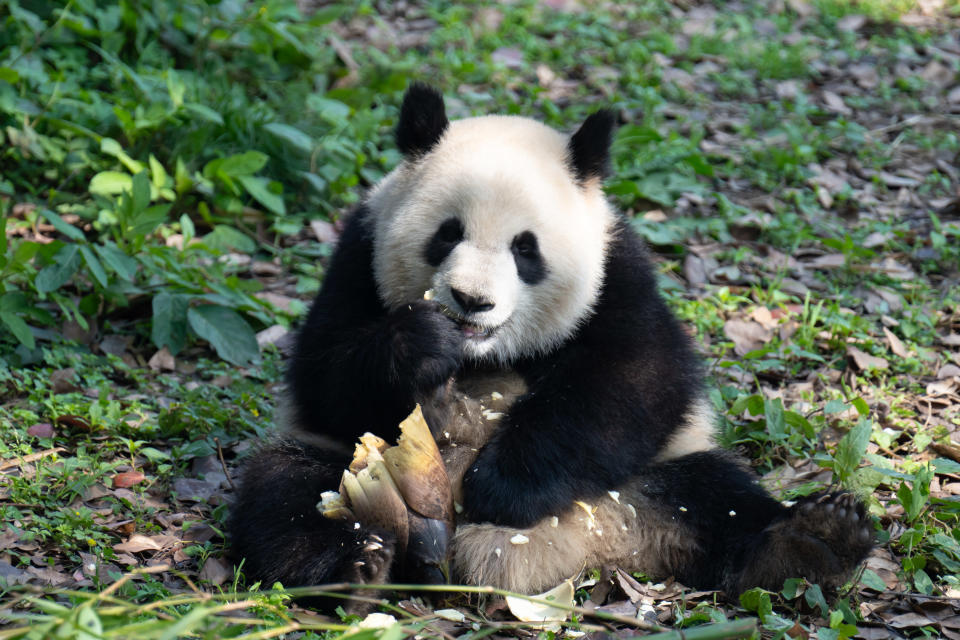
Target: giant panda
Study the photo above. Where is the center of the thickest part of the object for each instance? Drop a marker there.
(598, 448)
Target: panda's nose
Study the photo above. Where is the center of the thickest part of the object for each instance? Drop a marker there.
(471, 304)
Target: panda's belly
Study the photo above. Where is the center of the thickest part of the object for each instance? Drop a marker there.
(467, 413)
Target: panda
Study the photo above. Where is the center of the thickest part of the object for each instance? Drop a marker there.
(567, 399)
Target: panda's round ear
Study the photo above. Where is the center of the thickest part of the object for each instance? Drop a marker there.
(589, 147)
(423, 119)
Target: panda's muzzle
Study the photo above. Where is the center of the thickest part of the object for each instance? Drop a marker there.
(470, 330)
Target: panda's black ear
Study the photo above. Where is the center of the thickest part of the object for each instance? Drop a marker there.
(589, 147)
(423, 119)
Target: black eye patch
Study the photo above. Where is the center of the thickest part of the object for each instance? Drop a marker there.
(448, 235)
(526, 253)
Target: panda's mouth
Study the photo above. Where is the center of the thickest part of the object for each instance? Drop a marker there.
(472, 331)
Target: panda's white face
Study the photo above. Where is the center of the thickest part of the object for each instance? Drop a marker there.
(492, 221)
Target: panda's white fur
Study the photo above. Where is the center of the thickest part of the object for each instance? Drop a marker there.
(501, 175)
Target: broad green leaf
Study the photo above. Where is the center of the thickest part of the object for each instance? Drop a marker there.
(872, 580)
(158, 174)
(122, 264)
(57, 274)
(814, 597)
(175, 87)
(18, 328)
(226, 331)
(140, 191)
(225, 238)
(851, 448)
(147, 220)
(243, 164)
(94, 265)
(290, 137)
(169, 327)
(110, 183)
(187, 229)
(113, 148)
(63, 227)
(943, 465)
(776, 426)
(9, 75)
(922, 582)
(258, 188)
(204, 112)
(835, 406)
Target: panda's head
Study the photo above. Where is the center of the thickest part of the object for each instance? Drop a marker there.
(502, 217)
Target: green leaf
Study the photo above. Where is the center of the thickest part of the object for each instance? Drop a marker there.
(791, 588)
(54, 276)
(834, 406)
(243, 164)
(943, 465)
(9, 75)
(158, 174)
(757, 600)
(226, 331)
(109, 183)
(776, 426)
(18, 328)
(851, 448)
(861, 405)
(872, 580)
(258, 188)
(94, 265)
(63, 227)
(814, 597)
(175, 87)
(922, 582)
(122, 264)
(170, 321)
(290, 137)
(204, 112)
(140, 191)
(225, 238)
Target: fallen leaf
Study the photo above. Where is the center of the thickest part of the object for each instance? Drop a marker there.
(61, 380)
(162, 360)
(836, 104)
(324, 231)
(747, 335)
(127, 479)
(137, 544)
(864, 361)
(948, 371)
(216, 571)
(527, 611)
(852, 22)
(41, 430)
(896, 345)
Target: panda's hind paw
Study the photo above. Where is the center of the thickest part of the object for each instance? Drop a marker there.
(821, 538)
(372, 561)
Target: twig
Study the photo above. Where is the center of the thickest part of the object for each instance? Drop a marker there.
(33, 457)
(223, 464)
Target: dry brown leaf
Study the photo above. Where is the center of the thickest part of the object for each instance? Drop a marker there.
(216, 571)
(324, 231)
(137, 544)
(852, 22)
(948, 371)
(747, 335)
(835, 103)
(41, 430)
(896, 345)
(864, 361)
(162, 360)
(127, 479)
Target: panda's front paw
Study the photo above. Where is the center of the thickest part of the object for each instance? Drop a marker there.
(496, 491)
(427, 345)
(371, 561)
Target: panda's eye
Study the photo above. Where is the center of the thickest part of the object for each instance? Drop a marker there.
(447, 236)
(526, 254)
(525, 245)
(450, 231)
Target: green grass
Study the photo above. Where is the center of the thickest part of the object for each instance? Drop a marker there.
(151, 156)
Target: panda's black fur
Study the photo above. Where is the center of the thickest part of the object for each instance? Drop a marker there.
(607, 408)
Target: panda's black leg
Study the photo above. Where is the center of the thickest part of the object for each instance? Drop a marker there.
(746, 537)
(276, 529)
